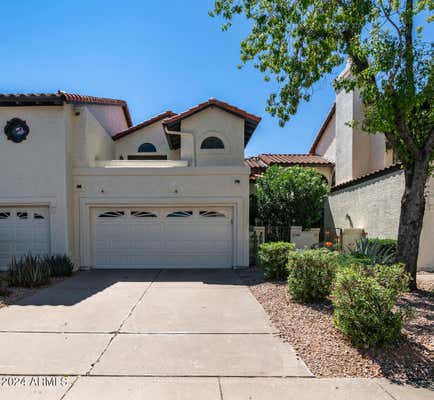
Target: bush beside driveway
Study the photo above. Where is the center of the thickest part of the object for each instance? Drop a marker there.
(310, 330)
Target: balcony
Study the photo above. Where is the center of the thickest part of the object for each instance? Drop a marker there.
(141, 163)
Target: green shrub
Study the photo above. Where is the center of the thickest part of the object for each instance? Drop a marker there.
(60, 265)
(29, 271)
(390, 244)
(273, 258)
(364, 298)
(311, 274)
(370, 251)
(348, 260)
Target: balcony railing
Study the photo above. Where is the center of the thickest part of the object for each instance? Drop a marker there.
(141, 163)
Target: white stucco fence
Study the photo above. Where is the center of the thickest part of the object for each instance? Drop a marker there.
(374, 206)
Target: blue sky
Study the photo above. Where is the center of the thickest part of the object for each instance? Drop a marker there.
(155, 55)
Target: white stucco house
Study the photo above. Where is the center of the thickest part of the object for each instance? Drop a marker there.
(77, 178)
(367, 182)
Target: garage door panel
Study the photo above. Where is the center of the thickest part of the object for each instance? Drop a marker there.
(163, 237)
(23, 230)
(205, 231)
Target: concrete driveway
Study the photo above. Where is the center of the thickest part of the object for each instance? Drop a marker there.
(160, 334)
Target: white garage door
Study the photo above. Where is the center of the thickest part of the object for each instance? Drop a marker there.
(162, 237)
(23, 230)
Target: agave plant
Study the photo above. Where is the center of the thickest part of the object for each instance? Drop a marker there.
(60, 265)
(371, 250)
(29, 271)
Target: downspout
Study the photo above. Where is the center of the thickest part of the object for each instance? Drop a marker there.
(168, 132)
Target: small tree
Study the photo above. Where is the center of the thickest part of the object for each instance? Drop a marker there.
(291, 196)
(300, 42)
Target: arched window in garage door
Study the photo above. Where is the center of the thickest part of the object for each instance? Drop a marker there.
(211, 214)
(180, 214)
(111, 214)
(143, 214)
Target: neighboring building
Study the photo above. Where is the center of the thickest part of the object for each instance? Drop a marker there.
(368, 185)
(78, 178)
(260, 163)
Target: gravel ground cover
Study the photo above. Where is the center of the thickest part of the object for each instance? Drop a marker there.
(310, 330)
(11, 294)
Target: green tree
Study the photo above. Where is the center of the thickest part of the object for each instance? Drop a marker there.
(291, 196)
(299, 42)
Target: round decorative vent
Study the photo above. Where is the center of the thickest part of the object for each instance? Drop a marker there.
(16, 130)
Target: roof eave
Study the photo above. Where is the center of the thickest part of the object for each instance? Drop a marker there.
(143, 124)
(250, 121)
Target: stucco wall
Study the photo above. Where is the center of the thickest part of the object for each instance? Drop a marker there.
(112, 118)
(327, 145)
(128, 145)
(326, 171)
(99, 144)
(215, 122)
(34, 172)
(357, 152)
(228, 186)
(344, 137)
(89, 139)
(374, 206)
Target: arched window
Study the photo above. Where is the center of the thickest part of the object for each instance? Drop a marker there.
(212, 142)
(147, 148)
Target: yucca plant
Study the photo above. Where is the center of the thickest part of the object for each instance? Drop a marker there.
(29, 271)
(371, 250)
(60, 265)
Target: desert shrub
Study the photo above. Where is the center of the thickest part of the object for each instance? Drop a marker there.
(273, 258)
(311, 274)
(390, 244)
(60, 265)
(29, 271)
(371, 251)
(364, 298)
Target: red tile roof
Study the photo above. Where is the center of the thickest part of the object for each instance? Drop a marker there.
(251, 121)
(209, 103)
(143, 124)
(73, 98)
(30, 99)
(284, 159)
(367, 177)
(254, 162)
(322, 129)
(260, 163)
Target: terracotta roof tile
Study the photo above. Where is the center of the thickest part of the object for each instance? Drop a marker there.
(251, 121)
(286, 159)
(74, 98)
(254, 162)
(367, 177)
(143, 124)
(260, 163)
(62, 97)
(213, 102)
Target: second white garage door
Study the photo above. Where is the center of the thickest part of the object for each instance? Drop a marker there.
(182, 237)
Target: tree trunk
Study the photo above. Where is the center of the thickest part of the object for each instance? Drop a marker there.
(411, 218)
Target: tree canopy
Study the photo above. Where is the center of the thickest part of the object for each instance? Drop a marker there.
(298, 42)
(291, 196)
